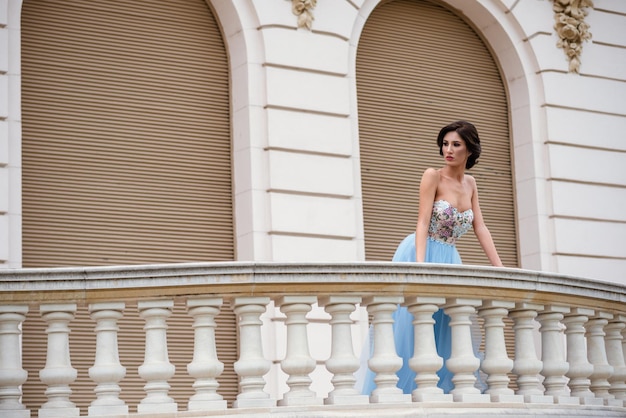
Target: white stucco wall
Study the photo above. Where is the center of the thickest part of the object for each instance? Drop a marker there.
(585, 121)
(4, 133)
(10, 136)
(309, 143)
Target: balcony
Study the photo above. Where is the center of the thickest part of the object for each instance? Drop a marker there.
(552, 345)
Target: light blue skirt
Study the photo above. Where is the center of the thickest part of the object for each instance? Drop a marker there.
(436, 252)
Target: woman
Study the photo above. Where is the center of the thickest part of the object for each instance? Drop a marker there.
(448, 207)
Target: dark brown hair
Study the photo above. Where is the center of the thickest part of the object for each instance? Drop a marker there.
(469, 134)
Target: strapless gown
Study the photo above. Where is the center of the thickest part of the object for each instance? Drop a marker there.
(447, 224)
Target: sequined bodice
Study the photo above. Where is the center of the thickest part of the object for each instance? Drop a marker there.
(447, 224)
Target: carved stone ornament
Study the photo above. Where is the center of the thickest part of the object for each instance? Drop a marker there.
(304, 10)
(570, 26)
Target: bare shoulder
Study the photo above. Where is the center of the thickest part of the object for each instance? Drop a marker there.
(471, 186)
(430, 181)
(431, 174)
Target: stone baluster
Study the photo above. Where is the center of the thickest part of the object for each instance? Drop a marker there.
(596, 352)
(205, 366)
(58, 374)
(497, 363)
(579, 367)
(298, 363)
(107, 370)
(156, 369)
(553, 354)
(425, 361)
(526, 364)
(615, 357)
(12, 375)
(385, 362)
(462, 362)
(251, 365)
(623, 319)
(342, 362)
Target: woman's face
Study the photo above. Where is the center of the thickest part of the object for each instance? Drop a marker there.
(454, 150)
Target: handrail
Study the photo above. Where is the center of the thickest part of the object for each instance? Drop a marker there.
(266, 278)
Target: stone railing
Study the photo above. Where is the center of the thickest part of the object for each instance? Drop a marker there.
(578, 370)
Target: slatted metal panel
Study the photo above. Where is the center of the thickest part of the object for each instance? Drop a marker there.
(126, 160)
(126, 134)
(420, 67)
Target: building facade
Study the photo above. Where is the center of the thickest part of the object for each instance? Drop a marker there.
(296, 131)
(293, 125)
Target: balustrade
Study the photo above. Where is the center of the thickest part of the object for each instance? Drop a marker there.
(497, 364)
(12, 375)
(384, 362)
(107, 370)
(343, 364)
(205, 366)
(58, 374)
(426, 361)
(615, 356)
(596, 347)
(565, 352)
(554, 365)
(527, 365)
(462, 362)
(579, 366)
(252, 364)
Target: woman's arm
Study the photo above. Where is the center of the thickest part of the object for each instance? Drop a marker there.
(427, 192)
(481, 231)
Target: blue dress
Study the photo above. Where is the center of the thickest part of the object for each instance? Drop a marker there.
(447, 224)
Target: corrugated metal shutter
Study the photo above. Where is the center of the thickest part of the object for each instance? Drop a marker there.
(420, 67)
(126, 136)
(126, 160)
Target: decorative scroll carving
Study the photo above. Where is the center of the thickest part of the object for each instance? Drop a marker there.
(304, 10)
(570, 26)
